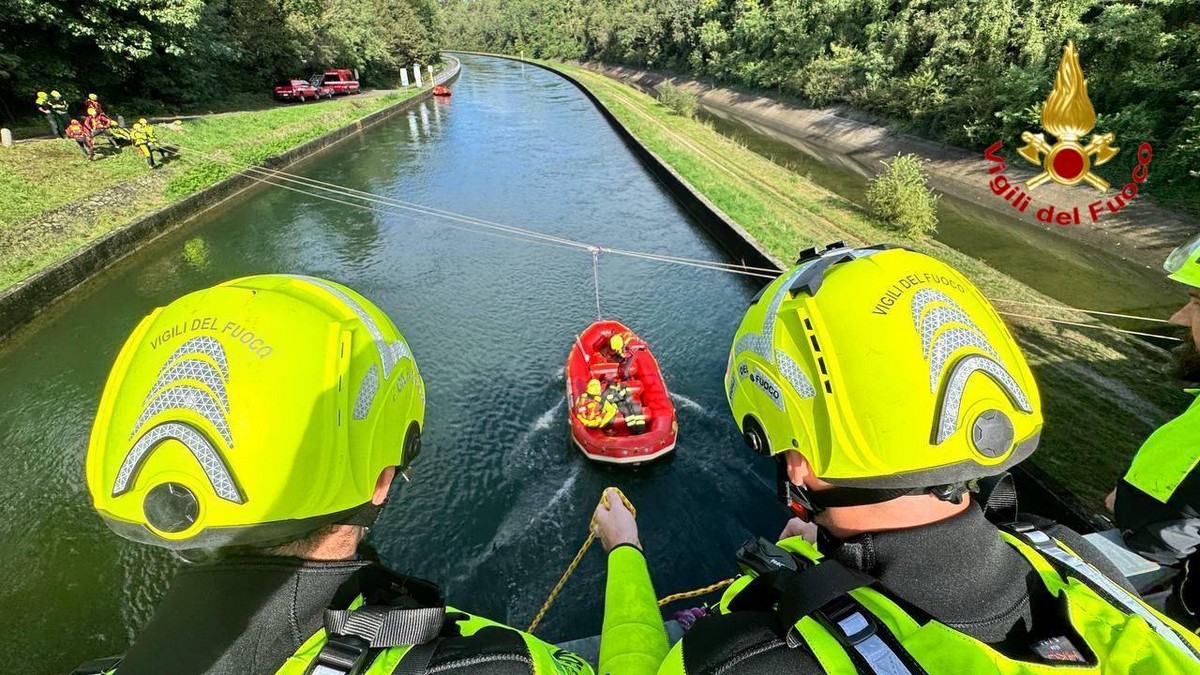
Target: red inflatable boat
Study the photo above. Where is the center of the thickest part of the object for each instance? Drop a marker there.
(591, 357)
(441, 91)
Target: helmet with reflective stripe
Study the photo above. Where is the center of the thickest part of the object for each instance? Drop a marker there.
(886, 369)
(1183, 265)
(254, 412)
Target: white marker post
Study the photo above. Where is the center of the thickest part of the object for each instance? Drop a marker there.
(431, 78)
(404, 78)
(417, 74)
(6, 138)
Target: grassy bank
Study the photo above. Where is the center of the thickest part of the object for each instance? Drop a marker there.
(55, 201)
(1103, 392)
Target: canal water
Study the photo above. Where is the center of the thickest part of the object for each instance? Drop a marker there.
(500, 500)
(1070, 271)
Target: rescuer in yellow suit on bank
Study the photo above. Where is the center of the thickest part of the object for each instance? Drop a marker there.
(885, 386)
(256, 429)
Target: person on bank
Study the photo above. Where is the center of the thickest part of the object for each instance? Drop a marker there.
(593, 408)
(93, 102)
(146, 141)
(77, 132)
(98, 124)
(884, 384)
(61, 111)
(43, 105)
(1157, 503)
(263, 456)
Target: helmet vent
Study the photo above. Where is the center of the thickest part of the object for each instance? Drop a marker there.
(816, 344)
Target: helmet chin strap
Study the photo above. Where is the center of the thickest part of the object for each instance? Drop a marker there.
(806, 503)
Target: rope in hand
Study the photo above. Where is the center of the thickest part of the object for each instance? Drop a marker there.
(588, 544)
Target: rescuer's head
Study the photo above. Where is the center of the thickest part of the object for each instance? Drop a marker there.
(1183, 265)
(254, 413)
(878, 373)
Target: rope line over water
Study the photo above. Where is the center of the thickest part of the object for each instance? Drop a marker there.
(340, 194)
(587, 544)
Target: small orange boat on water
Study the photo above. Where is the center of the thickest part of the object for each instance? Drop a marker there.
(441, 91)
(591, 358)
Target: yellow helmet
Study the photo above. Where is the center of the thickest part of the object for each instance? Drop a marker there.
(55, 94)
(143, 122)
(91, 112)
(617, 342)
(92, 97)
(42, 96)
(254, 412)
(593, 387)
(887, 369)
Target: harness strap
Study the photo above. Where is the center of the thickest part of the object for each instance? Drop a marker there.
(382, 627)
(416, 661)
(1071, 566)
(822, 591)
(860, 632)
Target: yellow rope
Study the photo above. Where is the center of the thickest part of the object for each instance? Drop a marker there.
(583, 550)
(696, 593)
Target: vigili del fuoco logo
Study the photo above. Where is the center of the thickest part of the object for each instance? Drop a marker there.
(1068, 116)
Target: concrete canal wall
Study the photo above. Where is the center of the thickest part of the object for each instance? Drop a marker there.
(21, 303)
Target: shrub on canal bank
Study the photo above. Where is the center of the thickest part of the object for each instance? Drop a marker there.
(681, 101)
(900, 197)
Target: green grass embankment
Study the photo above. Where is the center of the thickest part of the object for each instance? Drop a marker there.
(55, 201)
(1103, 392)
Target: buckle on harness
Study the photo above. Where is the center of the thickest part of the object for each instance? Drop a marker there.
(853, 623)
(341, 655)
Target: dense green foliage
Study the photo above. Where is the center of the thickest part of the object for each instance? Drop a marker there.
(183, 52)
(901, 199)
(680, 101)
(962, 71)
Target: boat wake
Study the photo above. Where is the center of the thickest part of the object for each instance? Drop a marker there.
(688, 403)
(543, 421)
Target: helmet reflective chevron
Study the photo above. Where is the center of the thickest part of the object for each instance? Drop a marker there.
(886, 369)
(254, 412)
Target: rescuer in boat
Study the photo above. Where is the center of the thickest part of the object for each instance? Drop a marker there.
(1157, 504)
(263, 459)
(879, 419)
(619, 396)
(593, 408)
(619, 352)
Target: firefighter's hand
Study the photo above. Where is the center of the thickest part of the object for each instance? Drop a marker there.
(1110, 502)
(799, 528)
(615, 525)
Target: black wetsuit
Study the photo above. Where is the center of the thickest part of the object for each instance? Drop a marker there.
(958, 571)
(246, 616)
(1169, 534)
